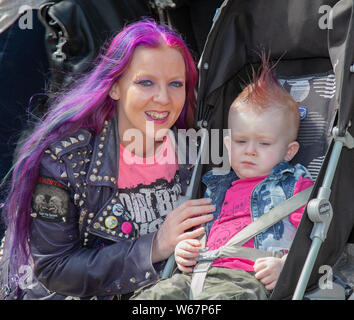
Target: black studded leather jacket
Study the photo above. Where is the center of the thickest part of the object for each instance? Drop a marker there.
(67, 260)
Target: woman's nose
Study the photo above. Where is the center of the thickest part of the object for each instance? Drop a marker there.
(162, 95)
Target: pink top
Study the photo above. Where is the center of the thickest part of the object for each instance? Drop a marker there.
(149, 188)
(235, 214)
(135, 170)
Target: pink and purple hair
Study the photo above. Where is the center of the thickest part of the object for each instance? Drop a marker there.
(86, 105)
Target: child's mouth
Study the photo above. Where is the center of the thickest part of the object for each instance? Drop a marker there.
(248, 163)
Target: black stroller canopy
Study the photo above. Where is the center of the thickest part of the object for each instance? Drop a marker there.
(309, 37)
(290, 30)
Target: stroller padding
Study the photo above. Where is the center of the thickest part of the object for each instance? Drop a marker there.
(315, 96)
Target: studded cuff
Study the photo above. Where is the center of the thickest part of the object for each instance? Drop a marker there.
(138, 269)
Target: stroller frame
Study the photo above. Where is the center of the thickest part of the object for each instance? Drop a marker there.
(320, 211)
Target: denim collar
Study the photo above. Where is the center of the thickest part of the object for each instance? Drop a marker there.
(214, 178)
(280, 170)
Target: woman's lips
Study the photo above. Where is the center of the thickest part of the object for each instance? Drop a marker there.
(157, 116)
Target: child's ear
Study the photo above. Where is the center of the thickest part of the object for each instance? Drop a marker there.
(227, 142)
(114, 92)
(292, 150)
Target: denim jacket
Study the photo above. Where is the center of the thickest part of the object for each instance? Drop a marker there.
(278, 186)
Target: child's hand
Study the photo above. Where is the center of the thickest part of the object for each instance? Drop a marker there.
(185, 252)
(268, 270)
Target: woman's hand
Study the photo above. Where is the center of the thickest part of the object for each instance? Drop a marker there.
(185, 252)
(188, 215)
(268, 270)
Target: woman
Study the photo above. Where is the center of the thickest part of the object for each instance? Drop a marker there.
(93, 206)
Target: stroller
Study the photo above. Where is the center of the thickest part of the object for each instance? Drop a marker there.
(313, 43)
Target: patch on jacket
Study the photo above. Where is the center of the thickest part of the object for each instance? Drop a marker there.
(50, 200)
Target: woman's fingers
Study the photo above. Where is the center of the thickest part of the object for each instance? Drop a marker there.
(182, 214)
(196, 202)
(196, 221)
(188, 215)
(193, 234)
(182, 217)
(195, 207)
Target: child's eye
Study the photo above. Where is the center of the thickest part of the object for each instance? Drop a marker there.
(145, 83)
(240, 141)
(177, 84)
(265, 143)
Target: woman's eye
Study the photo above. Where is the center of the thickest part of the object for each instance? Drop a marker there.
(240, 141)
(176, 84)
(145, 83)
(265, 143)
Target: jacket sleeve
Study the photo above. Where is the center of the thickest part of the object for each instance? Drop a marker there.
(64, 266)
(302, 184)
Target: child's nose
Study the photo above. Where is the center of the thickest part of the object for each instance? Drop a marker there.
(250, 149)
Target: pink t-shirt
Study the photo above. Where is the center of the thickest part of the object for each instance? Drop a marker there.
(149, 188)
(235, 214)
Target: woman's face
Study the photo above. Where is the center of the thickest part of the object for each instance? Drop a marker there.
(151, 93)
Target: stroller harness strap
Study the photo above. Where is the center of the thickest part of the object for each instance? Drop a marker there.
(233, 251)
(233, 248)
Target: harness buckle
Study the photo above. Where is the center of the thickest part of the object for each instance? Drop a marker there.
(206, 255)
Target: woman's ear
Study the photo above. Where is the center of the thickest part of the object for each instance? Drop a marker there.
(292, 150)
(114, 92)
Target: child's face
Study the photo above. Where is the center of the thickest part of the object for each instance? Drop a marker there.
(258, 142)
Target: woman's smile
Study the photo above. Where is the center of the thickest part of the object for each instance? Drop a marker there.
(157, 116)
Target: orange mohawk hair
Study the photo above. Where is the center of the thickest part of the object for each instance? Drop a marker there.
(265, 92)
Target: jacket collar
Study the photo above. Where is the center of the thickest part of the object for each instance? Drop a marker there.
(103, 169)
(213, 178)
(280, 170)
(104, 165)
